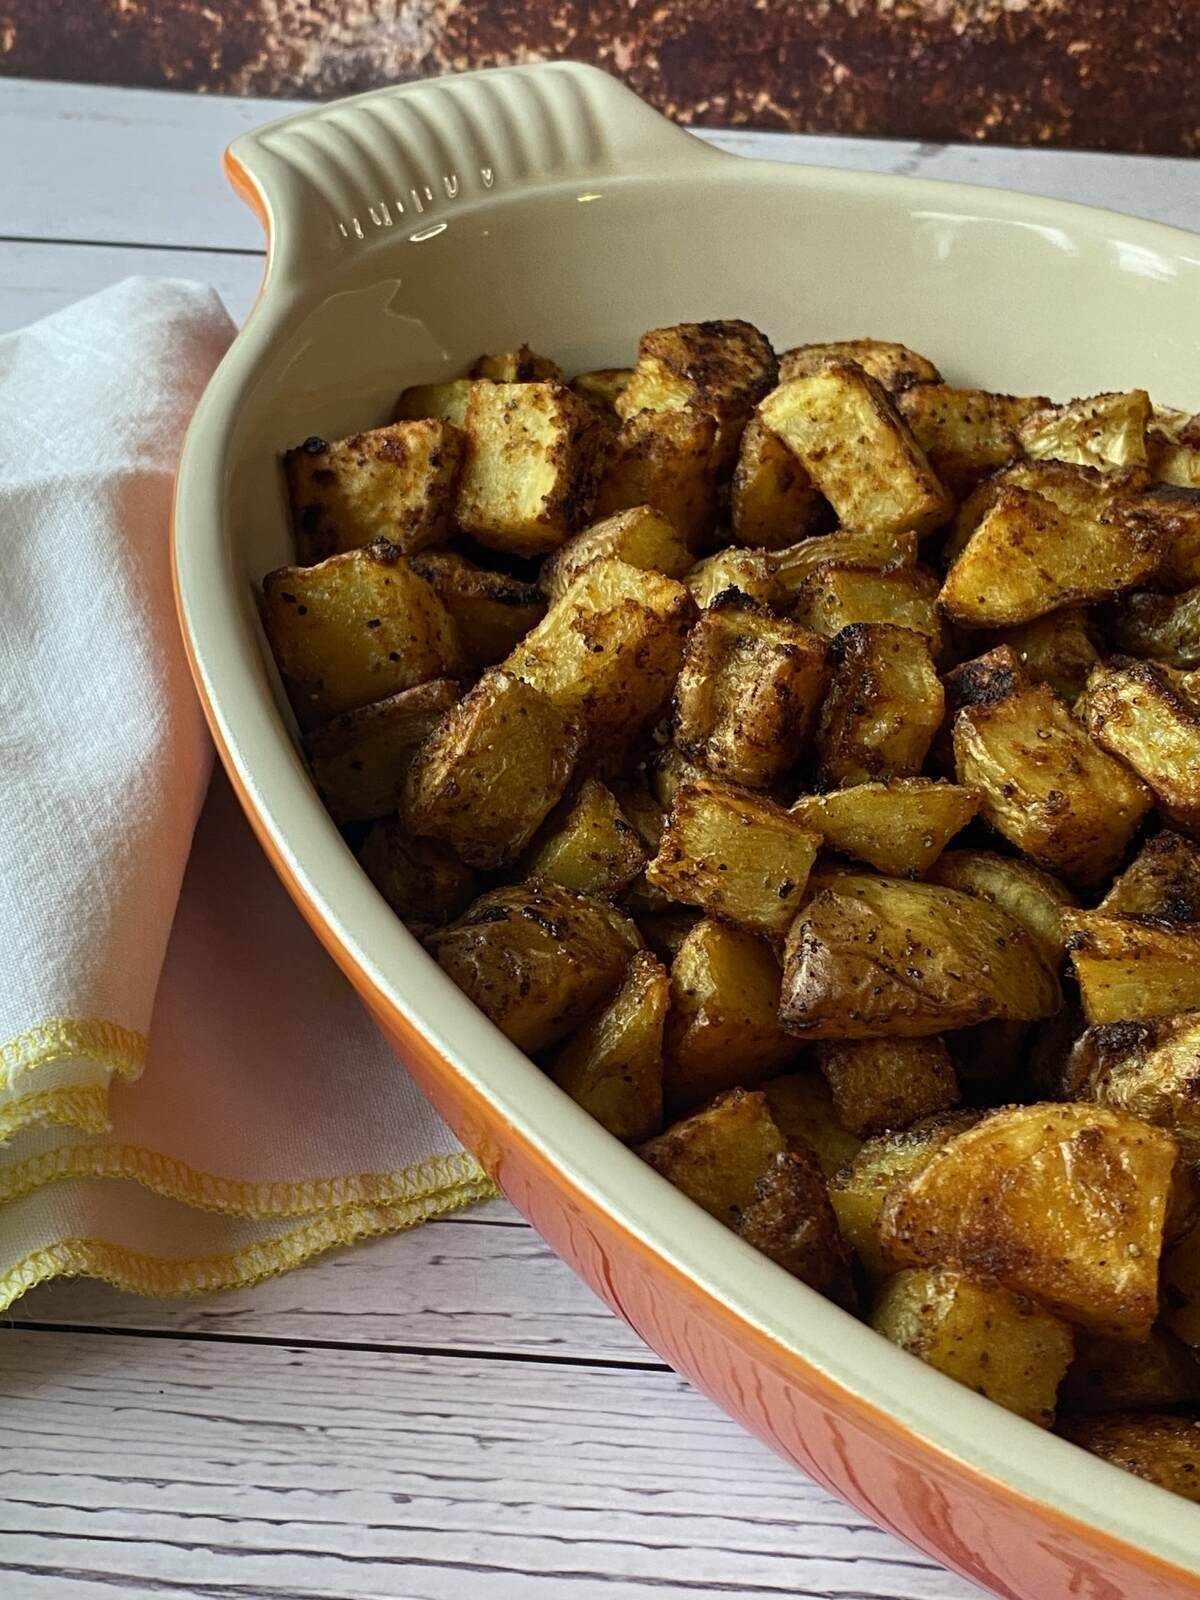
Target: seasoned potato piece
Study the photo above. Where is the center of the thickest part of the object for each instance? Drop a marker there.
(895, 366)
(1150, 1069)
(613, 1066)
(1057, 649)
(1045, 785)
(966, 433)
(1093, 505)
(733, 572)
(1162, 1449)
(794, 564)
(1159, 627)
(883, 708)
(1139, 712)
(521, 365)
(1029, 896)
(722, 1029)
(357, 628)
(396, 483)
(716, 1156)
(1063, 1203)
(900, 827)
(748, 693)
(589, 845)
(360, 760)
(491, 771)
(530, 470)
(1104, 430)
(858, 450)
(887, 1083)
(423, 881)
(1181, 1287)
(664, 459)
(722, 368)
(444, 401)
(1134, 968)
(773, 500)
(802, 1105)
(734, 854)
(536, 959)
(492, 611)
(641, 537)
(1175, 511)
(1112, 1375)
(790, 1220)
(608, 651)
(836, 596)
(603, 386)
(980, 1334)
(874, 958)
(1162, 881)
(857, 1192)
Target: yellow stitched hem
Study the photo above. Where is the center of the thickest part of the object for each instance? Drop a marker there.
(85, 1109)
(60, 1038)
(143, 1274)
(233, 1197)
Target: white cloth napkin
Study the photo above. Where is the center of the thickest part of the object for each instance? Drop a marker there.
(191, 1096)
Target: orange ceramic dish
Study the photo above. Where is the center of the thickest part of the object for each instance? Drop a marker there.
(410, 229)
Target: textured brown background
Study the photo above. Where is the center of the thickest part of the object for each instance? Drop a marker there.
(1104, 74)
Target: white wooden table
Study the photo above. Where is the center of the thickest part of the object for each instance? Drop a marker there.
(444, 1412)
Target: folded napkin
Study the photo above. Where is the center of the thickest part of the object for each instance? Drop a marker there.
(191, 1096)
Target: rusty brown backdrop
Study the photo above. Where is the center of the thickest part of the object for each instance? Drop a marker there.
(1100, 74)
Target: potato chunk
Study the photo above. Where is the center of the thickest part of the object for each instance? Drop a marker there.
(748, 693)
(773, 500)
(1159, 627)
(641, 537)
(1104, 430)
(883, 708)
(423, 881)
(858, 450)
(965, 433)
(613, 1066)
(980, 1334)
(1057, 649)
(1029, 896)
(491, 771)
(1138, 711)
(536, 959)
(1161, 1449)
(521, 365)
(735, 855)
(360, 760)
(531, 465)
(887, 1083)
(716, 1156)
(878, 958)
(1111, 1375)
(602, 387)
(1163, 881)
(731, 574)
(1175, 511)
(899, 827)
(664, 459)
(355, 629)
(836, 596)
(895, 366)
(1064, 1203)
(1134, 968)
(446, 402)
(1150, 1069)
(796, 562)
(722, 1030)
(589, 846)
(396, 483)
(1045, 785)
(491, 610)
(790, 1220)
(802, 1105)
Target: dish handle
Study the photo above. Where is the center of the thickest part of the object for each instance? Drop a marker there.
(401, 160)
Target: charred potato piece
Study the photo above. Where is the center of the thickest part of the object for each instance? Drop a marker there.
(1163, 881)
(979, 1333)
(1029, 896)
(1181, 1287)
(899, 827)
(965, 433)
(1103, 430)
(733, 574)
(491, 610)
(536, 959)
(360, 760)
(717, 1156)
(858, 450)
(748, 693)
(664, 459)
(1150, 1069)
(1138, 711)
(1111, 1375)
(603, 386)
(521, 365)
(879, 1084)
(722, 1029)
(613, 1066)
(641, 537)
(491, 771)
(1159, 627)
(1161, 1449)
(773, 500)
(530, 470)
(1132, 968)
(355, 629)
(1065, 1203)
(894, 366)
(875, 958)
(796, 562)
(423, 881)
(1057, 649)
(836, 596)
(589, 846)
(802, 1105)
(446, 402)
(791, 1221)
(884, 705)
(735, 855)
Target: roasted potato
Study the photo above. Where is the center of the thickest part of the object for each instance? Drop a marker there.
(1175, 513)
(717, 1155)
(613, 1067)
(965, 433)
(536, 959)
(900, 827)
(858, 450)
(1113, 1375)
(773, 500)
(1140, 712)
(733, 573)
(1064, 1203)
(895, 366)
(1134, 968)
(1029, 896)
(670, 770)
(1181, 1287)
(1104, 431)
(795, 563)
(748, 693)
(790, 1220)
(1150, 1069)
(588, 845)
(664, 459)
(884, 705)
(641, 537)
(1058, 649)
(1162, 1449)
(1162, 881)
(874, 958)
(360, 760)
(521, 365)
(423, 881)
(836, 595)
(603, 386)
(1002, 1345)
(879, 1084)
(1158, 627)
(446, 402)
(356, 628)
(802, 1105)
(492, 611)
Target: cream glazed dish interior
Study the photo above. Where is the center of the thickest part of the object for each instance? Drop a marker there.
(412, 229)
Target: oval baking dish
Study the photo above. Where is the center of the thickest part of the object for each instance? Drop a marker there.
(408, 230)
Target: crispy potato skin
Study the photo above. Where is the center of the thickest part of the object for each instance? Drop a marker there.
(1162, 1449)
(802, 1105)
(1174, 511)
(1064, 1203)
(732, 575)
(613, 1066)
(773, 500)
(790, 1220)
(873, 958)
(1149, 1069)
(641, 537)
(1134, 968)
(1030, 896)
(666, 460)
(1058, 649)
(837, 595)
(884, 705)
(899, 827)
(1162, 881)
(894, 366)
(588, 846)
(1139, 712)
(492, 611)
(422, 880)
(965, 433)
(717, 1155)
(1102, 431)
(1111, 1375)
(879, 1084)
(360, 760)
(795, 563)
